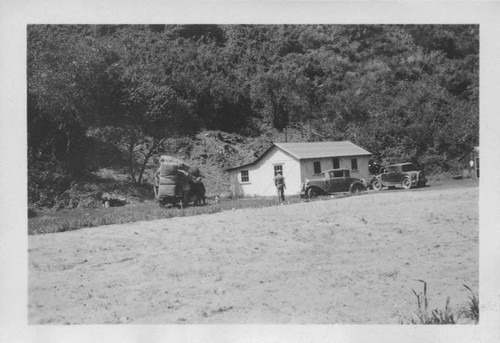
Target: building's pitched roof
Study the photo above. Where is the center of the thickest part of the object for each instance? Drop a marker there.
(322, 149)
(307, 150)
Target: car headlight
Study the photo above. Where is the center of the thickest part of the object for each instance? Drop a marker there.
(363, 181)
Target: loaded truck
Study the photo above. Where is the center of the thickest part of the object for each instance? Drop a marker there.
(172, 182)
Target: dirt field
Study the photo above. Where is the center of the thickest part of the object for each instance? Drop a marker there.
(337, 261)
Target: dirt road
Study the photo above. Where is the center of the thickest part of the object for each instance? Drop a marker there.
(338, 261)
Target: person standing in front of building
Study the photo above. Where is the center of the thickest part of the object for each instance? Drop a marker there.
(279, 182)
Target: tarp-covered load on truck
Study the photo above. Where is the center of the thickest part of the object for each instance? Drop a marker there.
(174, 181)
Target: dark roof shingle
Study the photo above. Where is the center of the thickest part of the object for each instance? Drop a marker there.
(307, 150)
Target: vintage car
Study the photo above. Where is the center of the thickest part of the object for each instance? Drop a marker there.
(401, 174)
(330, 182)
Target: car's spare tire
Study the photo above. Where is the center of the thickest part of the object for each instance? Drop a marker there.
(377, 185)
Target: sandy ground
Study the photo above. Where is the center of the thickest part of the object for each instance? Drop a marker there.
(336, 261)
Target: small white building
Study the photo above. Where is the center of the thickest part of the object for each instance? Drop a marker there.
(296, 162)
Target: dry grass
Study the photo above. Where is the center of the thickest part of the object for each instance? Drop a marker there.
(436, 316)
(471, 310)
(149, 210)
(444, 316)
(79, 218)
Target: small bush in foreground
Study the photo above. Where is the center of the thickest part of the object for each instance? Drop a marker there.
(443, 316)
(435, 316)
(471, 310)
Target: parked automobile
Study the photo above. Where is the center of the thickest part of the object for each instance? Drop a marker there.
(330, 182)
(406, 175)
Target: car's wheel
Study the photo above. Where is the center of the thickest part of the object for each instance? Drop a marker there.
(406, 183)
(377, 185)
(312, 193)
(356, 189)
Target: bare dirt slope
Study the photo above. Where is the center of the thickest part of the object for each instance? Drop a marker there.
(349, 260)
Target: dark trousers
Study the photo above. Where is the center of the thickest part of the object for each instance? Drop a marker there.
(281, 193)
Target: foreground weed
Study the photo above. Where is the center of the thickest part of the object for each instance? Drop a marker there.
(471, 310)
(435, 316)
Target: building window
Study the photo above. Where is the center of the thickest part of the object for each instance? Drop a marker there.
(336, 163)
(354, 164)
(244, 176)
(317, 167)
(278, 168)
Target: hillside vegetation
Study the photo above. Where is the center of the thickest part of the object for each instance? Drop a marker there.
(104, 101)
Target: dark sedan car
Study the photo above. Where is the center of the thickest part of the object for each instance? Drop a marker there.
(332, 181)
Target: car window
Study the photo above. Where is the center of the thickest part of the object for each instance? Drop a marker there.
(337, 173)
(393, 169)
(408, 167)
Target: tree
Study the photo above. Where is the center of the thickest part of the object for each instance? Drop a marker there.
(70, 84)
(153, 109)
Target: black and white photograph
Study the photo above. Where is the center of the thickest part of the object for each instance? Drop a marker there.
(222, 176)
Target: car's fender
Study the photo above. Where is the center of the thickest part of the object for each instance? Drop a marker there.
(317, 191)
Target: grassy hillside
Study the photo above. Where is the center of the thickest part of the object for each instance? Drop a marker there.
(211, 151)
